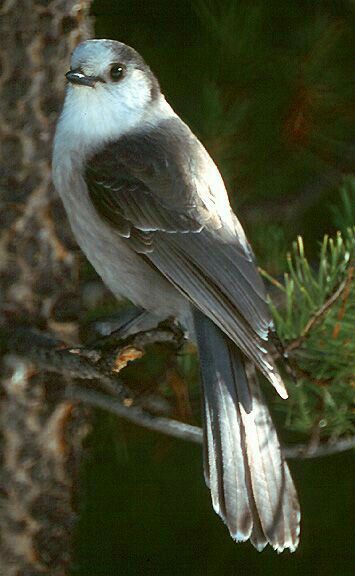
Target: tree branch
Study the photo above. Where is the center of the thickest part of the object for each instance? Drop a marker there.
(137, 415)
(98, 365)
(102, 364)
(183, 431)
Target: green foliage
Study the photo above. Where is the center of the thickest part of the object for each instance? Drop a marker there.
(316, 324)
(306, 290)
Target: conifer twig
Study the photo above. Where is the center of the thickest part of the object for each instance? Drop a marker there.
(320, 312)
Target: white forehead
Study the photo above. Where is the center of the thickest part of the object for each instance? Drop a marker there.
(97, 55)
(92, 50)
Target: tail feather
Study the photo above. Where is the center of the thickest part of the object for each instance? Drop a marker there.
(224, 470)
(274, 492)
(251, 486)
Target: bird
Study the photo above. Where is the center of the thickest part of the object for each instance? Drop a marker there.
(149, 209)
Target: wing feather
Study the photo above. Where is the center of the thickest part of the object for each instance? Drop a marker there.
(162, 193)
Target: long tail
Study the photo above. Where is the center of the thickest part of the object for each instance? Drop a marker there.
(251, 486)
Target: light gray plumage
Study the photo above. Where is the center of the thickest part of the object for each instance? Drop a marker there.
(150, 210)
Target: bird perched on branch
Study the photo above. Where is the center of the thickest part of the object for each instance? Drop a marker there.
(149, 209)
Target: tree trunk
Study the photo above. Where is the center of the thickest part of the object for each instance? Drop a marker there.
(41, 432)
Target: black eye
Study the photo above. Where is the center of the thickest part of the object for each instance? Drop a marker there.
(116, 72)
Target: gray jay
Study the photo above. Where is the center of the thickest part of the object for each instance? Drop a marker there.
(149, 209)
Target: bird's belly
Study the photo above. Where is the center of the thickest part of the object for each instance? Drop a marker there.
(123, 271)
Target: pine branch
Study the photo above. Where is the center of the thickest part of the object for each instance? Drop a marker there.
(315, 323)
(343, 289)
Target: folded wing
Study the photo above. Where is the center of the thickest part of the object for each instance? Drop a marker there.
(162, 193)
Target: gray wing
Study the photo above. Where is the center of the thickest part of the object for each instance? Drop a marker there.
(154, 188)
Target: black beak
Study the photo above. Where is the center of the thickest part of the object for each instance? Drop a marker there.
(77, 77)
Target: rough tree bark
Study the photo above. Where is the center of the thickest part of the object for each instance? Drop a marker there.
(41, 432)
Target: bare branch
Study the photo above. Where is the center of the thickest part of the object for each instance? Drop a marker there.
(137, 415)
(302, 451)
(183, 431)
(84, 363)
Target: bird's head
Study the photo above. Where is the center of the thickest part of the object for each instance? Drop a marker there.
(111, 90)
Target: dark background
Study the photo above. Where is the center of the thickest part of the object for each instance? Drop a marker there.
(267, 86)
